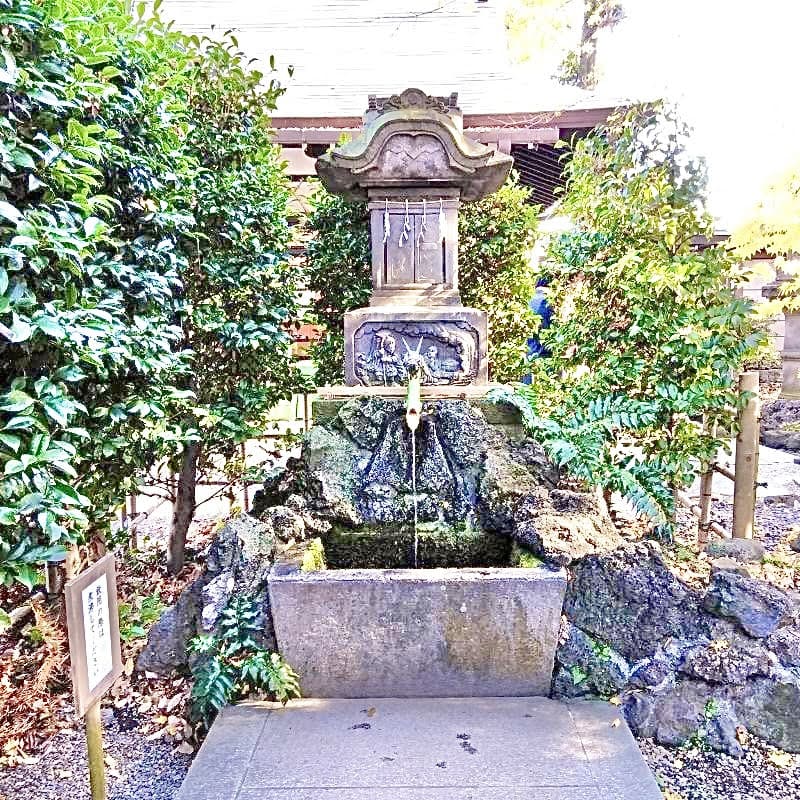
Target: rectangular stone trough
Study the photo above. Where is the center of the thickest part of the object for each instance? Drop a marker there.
(466, 632)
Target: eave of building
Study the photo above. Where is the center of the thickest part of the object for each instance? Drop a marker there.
(503, 129)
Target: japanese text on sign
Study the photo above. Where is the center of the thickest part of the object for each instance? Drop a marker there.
(99, 654)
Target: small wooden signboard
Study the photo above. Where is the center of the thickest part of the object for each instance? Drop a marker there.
(93, 624)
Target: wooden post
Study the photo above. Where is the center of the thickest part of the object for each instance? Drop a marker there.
(746, 472)
(94, 746)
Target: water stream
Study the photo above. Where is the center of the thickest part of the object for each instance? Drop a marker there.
(414, 493)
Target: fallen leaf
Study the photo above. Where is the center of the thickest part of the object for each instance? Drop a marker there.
(174, 703)
(372, 711)
(615, 723)
(129, 667)
(780, 759)
(615, 701)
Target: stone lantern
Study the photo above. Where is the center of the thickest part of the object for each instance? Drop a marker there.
(414, 166)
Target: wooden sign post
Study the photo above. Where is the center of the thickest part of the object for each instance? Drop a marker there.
(93, 624)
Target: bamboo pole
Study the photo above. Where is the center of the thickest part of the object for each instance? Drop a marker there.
(724, 471)
(713, 527)
(704, 520)
(746, 469)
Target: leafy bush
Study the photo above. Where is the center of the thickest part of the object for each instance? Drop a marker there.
(496, 274)
(586, 443)
(338, 259)
(495, 237)
(231, 664)
(131, 206)
(87, 270)
(646, 324)
(135, 618)
(144, 294)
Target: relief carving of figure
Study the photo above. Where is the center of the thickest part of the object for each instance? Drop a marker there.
(383, 366)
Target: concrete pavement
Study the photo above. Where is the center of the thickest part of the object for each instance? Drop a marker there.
(506, 748)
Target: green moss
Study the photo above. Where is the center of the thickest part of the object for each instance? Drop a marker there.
(313, 557)
(522, 557)
(392, 547)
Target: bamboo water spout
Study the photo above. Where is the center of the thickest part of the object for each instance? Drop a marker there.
(413, 415)
(413, 400)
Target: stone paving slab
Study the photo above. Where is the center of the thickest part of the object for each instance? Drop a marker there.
(501, 748)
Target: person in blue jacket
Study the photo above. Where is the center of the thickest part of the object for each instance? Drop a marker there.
(541, 307)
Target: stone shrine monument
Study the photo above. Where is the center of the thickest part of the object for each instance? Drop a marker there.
(414, 165)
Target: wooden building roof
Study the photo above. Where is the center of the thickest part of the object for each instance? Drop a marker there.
(343, 50)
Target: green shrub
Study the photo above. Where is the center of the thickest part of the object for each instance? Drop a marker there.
(495, 237)
(136, 617)
(647, 334)
(144, 292)
(230, 664)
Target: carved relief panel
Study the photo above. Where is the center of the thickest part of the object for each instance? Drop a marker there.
(413, 156)
(444, 351)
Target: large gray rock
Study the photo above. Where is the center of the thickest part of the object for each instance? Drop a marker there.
(631, 600)
(587, 666)
(237, 564)
(776, 417)
(565, 528)
(731, 658)
(768, 708)
(744, 550)
(357, 464)
(785, 644)
(757, 606)
(687, 710)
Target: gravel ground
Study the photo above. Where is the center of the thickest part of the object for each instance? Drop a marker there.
(700, 774)
(775, 516)
(136, 769)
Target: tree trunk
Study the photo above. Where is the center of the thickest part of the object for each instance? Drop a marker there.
(183, 509)
(587, 54)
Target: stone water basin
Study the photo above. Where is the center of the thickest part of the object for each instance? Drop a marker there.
(433, 632)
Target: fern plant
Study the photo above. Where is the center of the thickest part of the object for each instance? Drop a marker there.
(232, 665)
(589, 444)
